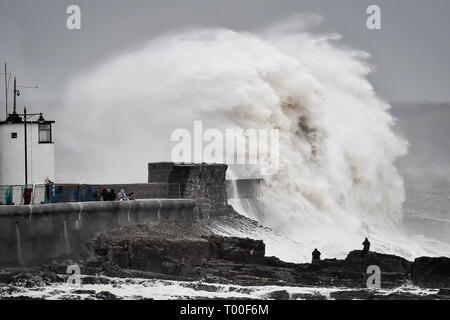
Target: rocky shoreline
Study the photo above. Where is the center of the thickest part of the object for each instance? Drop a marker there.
(202, 261)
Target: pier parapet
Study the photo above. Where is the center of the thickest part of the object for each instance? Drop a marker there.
(35, 234)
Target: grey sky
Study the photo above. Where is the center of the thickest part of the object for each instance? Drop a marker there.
(411, 53)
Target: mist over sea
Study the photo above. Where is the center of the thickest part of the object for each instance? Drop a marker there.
(426, 167)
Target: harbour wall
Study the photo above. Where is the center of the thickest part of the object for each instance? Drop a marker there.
(33, 234)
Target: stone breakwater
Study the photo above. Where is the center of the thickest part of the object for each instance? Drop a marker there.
(187, 252)
(36, 234)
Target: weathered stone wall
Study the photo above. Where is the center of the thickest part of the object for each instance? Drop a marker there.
(197, 181)
(37, 233)
(207, 182)
(203, 182)
(159, 172)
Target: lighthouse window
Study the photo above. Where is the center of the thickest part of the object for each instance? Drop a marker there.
(45, 133)
(13, 135)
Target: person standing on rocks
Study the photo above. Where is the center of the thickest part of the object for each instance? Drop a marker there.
(315, 256)
(366, 246)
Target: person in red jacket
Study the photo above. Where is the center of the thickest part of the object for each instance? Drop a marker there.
(28, 191)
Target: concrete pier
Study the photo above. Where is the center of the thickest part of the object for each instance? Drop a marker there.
(38, 233)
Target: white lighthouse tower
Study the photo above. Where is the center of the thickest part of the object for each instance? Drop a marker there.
(27, 149)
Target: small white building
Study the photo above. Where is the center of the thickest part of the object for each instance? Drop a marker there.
(39, 146)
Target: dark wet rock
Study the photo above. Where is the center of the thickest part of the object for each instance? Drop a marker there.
(198, 286)
(81, 291)
(279, 295)
(28, 279)
(168, 250)
(236, 249)
(376, 295)
(404, 296)
(431, 272)
(96, 280)
(139, 298)
(209, 278)
(194, 254)
(70, 297)
(106, 295)
(143, 247)
(358, 261)
(444, 292)
(328, 272)
(55, 292)
(351, 295)
(24, 297)
(10, 290)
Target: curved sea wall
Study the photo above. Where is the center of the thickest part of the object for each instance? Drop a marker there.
(38, 233)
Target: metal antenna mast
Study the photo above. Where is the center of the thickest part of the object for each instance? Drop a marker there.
(16, 92)
(6, 92)
(7, 79)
